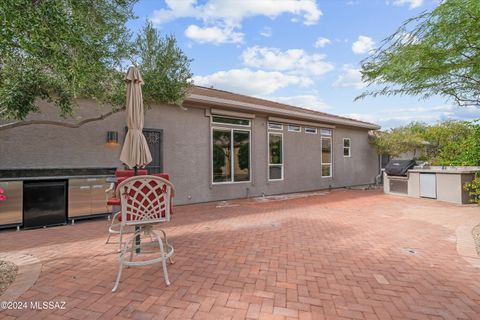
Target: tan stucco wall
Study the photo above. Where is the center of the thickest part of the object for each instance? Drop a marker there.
(186, 152)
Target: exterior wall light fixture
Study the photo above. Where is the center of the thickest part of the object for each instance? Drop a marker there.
(112, 137)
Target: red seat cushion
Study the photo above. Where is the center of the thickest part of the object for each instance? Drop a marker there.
(113, 202)
(130, 173)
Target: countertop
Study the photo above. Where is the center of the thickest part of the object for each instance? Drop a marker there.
(447, 170)
(29, 174)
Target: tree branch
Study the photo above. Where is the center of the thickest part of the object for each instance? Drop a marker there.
(58, 123)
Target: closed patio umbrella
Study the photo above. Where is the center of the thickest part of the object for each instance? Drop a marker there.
(135, 151)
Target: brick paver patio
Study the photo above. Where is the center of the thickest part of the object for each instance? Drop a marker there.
(342, 255)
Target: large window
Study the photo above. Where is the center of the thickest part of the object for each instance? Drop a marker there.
(347, 147)
(231, 155)
(326, 157)
(275, 156)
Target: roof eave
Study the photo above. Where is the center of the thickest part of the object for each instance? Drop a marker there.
(270, 110)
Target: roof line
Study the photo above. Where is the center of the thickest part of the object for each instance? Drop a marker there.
(300, 111)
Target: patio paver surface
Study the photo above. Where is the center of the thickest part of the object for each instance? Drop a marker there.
(348, 254)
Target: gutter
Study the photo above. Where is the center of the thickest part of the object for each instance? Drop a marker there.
(270, 110)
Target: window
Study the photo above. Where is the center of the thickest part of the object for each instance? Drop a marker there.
(275, 126)
(230, 155)
(326, 157)
(231, 121)
(311, 130)
(275, 156)
(346, 147)
(326, 132)
(294, 128)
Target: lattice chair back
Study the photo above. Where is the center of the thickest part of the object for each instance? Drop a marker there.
(145, 199)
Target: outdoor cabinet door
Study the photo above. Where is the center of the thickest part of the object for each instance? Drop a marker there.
(11, 209)
(79, 198)
(98, 196)
(428, 185)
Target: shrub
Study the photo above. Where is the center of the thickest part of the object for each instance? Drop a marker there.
(473, 189)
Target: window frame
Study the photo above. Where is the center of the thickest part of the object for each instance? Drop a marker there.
(232, 175)
(349, 148)
(275, 123)
(282, 165)
(214, 123)
(289, 128)
(331, 157)
(326, 132)
(311, 128)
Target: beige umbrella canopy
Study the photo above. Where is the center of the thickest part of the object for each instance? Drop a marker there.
(135, 152)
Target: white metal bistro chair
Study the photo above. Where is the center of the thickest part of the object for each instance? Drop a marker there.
(145, 202)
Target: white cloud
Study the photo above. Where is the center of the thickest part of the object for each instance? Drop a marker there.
(306, 101)
(293, 61)
(412, 4)
(251, 82)
(232, 12)
(266, 32)
(213, 35)
(363, 45)
(322, 42)
(350, 78)
(389, 118)
(226, 16)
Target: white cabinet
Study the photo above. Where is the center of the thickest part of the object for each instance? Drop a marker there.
(428, 185)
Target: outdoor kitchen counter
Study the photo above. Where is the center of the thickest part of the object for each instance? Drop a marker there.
(433, 182)
(30, 192)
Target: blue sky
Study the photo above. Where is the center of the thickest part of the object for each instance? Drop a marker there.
(301, 52)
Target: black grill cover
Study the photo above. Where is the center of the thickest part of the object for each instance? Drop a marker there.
(399, 167)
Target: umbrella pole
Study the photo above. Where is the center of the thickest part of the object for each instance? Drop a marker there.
(137, 238)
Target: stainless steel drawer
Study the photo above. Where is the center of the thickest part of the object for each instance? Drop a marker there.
(98, 196)
(79, 198)
(11, 210)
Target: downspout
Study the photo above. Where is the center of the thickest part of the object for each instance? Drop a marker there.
(378, 178)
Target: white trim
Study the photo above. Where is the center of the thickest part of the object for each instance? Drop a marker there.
(321, 157)
(232, 165)
(349, 147)
(282, 165)
(290, 128)
(272, 110)
(230, 124)
(299, 122)
(326, 132)
(314, 130)
(220, 112)
(279, 128)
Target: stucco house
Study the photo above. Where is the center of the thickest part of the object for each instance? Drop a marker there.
(219, 145)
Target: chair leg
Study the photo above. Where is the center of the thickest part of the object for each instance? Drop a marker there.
(164, 262)
(134, 243)
(167, 244)
(108, 238)
(109, 234)
(121, 238)
(120, 268)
